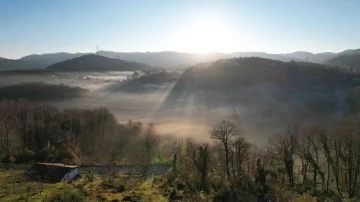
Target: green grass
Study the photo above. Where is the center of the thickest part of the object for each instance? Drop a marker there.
(14, 186)
(109, 191)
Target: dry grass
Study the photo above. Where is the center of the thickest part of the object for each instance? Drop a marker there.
(134, 188)
(15, 187)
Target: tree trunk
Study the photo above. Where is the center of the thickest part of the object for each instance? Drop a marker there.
(7, 144)
(315, 180)
(227, 161)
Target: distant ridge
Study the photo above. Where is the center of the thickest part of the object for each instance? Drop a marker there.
(97, 63)
(8, 64)
(349, 62)
(172, 59)
(51, 58)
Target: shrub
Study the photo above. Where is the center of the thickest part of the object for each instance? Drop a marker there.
(69, 193)
(173, 194)
(120, 188)
(89, 175)
(306, 197)
(108, 181)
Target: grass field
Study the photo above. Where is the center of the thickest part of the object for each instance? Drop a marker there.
(14, 186)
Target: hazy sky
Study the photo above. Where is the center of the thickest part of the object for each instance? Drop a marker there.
(274, 26)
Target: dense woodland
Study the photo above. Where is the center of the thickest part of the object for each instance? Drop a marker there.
(93, 62)
(317, 159)
(146, 82)
(306, 85)
(237, 72)
(348, 62)
(41, 92)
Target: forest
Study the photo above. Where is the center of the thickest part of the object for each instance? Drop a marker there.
(310, 162)
(39, 91)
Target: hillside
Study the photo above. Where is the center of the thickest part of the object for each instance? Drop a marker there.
(41, 92)
(51, 58)
(266, 87)
(146, 83)
(97, 63)
(172, 59)
(8, 64)
(348, 62)
(311, 57)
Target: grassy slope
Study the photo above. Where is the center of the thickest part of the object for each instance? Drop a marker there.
(139, 191)
(14, 187)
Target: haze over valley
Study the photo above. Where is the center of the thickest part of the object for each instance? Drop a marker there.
(261, 94)
(180, 101)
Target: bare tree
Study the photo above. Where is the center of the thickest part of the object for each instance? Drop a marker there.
(350, 133)
(241, 154)
(114, 146)
(309, 149)
(8, 135)
(224, 134)
(286, 144)
(200, 159)
(149, 142)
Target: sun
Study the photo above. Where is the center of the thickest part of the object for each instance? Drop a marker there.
(206, 35)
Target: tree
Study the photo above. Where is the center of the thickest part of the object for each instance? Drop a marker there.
(242, 153)
(350, 133)
(286, 144)
(309, 150)
(201, 162)
(261, 181)
(224, 134)
(114, 147)
(8, 135)
(149, 142)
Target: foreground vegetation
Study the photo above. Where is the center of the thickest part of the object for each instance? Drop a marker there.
(14, 186)
(301, 163)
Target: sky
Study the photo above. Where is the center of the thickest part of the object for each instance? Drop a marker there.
(273, 26)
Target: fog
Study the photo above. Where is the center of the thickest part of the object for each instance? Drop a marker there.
(258, 110)
(89, 80)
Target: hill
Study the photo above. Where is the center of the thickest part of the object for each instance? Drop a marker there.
(172, 59)
(97, 63)
(311, 57)
(40, 92)
(350, 52)
(264, 85)
(8, 64)
(348, 62)
(51, 58)
(176, 59)
(147, 83)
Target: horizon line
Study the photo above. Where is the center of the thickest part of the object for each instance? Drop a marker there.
(171, 51)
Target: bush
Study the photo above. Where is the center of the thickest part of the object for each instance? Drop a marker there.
(89, 175)
(25, 156)
(306, 197)
(173, 194)
(69, 193)
(120, 188)
(108, 181)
